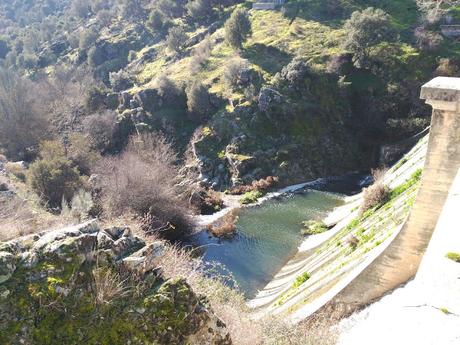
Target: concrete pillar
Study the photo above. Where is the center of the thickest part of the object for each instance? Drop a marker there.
(401, 259)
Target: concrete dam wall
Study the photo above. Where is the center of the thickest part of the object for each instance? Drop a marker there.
(391, 239)
(400, 261)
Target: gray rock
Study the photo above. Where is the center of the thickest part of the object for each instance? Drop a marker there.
(268, 98)
(7, 266)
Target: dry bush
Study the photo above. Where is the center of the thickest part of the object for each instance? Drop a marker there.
(352, 241)
(212, 201)
(53, 177)
(108, 286)
(261, 185)
(205, 201)
(142, 181)
(427, 40)
(376, 194)
(266, 183)
(277, 331)
(447, 68)
(226, 226)
(16, 169)
(239, 190)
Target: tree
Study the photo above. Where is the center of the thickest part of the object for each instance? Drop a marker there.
(176, 39)
(53, 177)
(366, 29)
(87, 39)
(80, 8)
(156, 20)
(433, 10)
(198, 102)
(167, 89)
(120, 80)
(237, 28)
(4, 49)
(131, 9)
(22, 116)
(199, 9)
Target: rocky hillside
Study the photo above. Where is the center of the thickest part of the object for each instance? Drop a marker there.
(297, 98)
(88, 285)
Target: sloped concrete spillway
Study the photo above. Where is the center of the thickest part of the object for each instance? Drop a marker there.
(400, 261)
(389, 241)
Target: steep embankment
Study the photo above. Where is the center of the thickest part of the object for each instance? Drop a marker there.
(326, 263)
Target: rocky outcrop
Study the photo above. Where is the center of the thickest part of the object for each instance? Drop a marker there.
(85, 285)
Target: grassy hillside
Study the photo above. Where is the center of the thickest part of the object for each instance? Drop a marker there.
(304, 94)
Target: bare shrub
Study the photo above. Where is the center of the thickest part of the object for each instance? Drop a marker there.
(447, 68)
(226, 226)
(433, 10)
(142, 181)
(376, 194)
(260, 185)
(108, 286)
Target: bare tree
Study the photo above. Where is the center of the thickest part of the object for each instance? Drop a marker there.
(142, 181)
(435, 9)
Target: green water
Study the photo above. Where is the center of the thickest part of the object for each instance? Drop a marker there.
(268, 236)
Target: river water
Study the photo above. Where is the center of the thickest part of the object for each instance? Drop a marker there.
(268, 235)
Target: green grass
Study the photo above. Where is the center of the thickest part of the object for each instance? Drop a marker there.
(453, 256)
(313, 227)
(301, 279)
(415, 178)
(251, 197)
